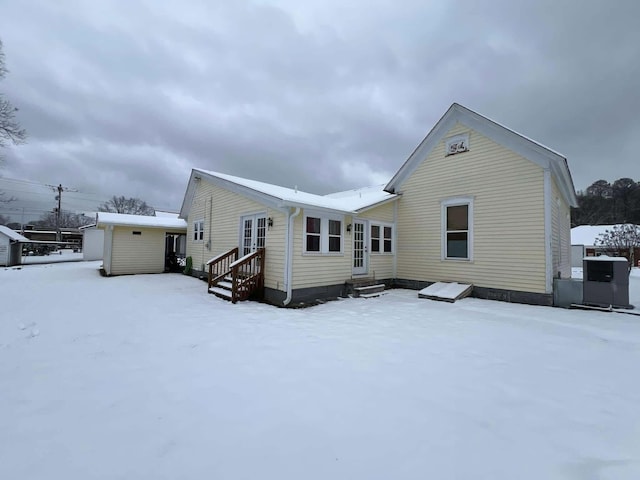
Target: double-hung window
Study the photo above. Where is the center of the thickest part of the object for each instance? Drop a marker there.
(457, 229)
(381, 238)
(198, 231)
(323, 234)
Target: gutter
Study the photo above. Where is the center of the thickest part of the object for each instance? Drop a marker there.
(288, 270)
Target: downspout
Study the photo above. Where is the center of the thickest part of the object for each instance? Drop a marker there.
(395, 240)
(209, 243)
(288, 267)
(548, 251)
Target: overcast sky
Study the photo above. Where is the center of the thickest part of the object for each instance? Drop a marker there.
(125, 97)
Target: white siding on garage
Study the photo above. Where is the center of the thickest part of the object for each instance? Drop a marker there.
(508, 220)
(142, 253)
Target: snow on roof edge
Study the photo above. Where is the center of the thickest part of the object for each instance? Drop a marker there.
(107, 218)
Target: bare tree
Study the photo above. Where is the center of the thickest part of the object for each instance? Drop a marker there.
(3, 220)
(67, 220)
(132, 206)
(10, 130)
(621, 237)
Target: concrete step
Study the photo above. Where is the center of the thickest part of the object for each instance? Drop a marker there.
(368, 290)
(221, 293)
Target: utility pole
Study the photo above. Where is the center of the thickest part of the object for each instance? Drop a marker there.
(58, 210)
(59, 198)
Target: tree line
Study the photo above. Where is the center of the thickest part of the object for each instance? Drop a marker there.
(604, 203)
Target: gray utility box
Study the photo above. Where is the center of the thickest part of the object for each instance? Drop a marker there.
(605, 281)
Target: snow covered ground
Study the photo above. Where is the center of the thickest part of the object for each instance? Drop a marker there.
(149, 377)
(64, 255)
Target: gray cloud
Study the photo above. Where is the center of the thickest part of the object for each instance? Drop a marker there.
(324, 96)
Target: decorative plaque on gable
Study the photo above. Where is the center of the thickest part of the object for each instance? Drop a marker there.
(457, 144)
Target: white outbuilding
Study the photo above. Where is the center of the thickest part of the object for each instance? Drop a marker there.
(10, 246)
(139, 244)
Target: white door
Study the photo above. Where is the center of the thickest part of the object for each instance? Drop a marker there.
(253, 231)
(360, 253)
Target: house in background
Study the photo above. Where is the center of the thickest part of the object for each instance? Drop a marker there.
(138, 243)
(583, 244)
(475, 203)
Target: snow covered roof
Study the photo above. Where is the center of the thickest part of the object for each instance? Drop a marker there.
(121, 219)
(587, 234)
(524, 146)
(12, 234)
(279, 197)
(160, 213)
(605, 258)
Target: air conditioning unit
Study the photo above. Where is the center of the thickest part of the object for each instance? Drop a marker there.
(605, 281)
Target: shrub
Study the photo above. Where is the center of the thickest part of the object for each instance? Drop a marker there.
(188, 266)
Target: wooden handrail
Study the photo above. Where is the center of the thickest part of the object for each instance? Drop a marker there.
(248, 275)
(220, 266)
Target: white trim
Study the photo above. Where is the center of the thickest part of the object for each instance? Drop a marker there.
(395, 240)
(376, 205)
(108, 249)
(254, 230)
(547, 232)
(381, 238)
(288, 262)
(364, 270)
(198, 227)
(324, 232)
(452, 202)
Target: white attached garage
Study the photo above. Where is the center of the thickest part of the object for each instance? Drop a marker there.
(138, 244)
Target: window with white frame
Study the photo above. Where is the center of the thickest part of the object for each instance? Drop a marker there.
(323, 234)
(457, 229)
(381, 236)
(198, 231)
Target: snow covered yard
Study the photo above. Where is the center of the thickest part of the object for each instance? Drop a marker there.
(149, 377)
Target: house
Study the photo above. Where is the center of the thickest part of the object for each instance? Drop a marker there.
(10, 246)
(583, 244)
(475, 203)
(138, 243)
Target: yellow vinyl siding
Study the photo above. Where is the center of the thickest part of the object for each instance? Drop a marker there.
(316, 270)
(311, 270)
(383, 213)
(142, 253)
(221, 211)
(560, 233)
(508, 217)
(380, 264)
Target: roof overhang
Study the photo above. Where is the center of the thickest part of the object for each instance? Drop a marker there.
(198, 175)
(276, 203)
(105, 219)
(525, 147)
